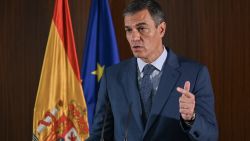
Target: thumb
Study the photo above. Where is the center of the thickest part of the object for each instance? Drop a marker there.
(187, 86)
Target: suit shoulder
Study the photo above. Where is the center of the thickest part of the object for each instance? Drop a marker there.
(190, 66)
(120, 67)
(193, 70)
(184, 62)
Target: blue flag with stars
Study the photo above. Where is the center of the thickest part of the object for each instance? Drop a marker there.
(100, 51)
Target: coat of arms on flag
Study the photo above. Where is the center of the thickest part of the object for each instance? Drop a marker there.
(56, 125)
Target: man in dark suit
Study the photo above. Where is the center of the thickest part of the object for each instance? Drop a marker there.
(142, 99)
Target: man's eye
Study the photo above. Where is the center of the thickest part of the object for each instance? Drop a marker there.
(141, 29)
(128, 30)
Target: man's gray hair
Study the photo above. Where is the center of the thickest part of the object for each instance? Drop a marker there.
(152, 6)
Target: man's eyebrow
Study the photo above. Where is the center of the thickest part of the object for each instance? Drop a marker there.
(140, 24)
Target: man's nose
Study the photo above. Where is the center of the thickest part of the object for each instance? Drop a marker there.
(135, 35)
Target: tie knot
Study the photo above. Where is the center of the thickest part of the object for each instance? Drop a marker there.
(148, 69)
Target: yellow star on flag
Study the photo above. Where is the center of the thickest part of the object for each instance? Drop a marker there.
(98, 71)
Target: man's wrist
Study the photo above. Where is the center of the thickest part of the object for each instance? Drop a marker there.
(191, 121)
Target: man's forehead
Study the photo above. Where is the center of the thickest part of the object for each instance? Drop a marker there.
(140, 17)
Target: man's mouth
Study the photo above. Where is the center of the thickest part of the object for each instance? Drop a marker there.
(137, 47)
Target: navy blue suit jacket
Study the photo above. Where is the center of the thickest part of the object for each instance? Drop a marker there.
(119, 91)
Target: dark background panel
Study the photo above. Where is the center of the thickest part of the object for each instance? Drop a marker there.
(213, 32)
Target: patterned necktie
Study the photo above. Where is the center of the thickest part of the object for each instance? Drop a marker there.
(146, 88)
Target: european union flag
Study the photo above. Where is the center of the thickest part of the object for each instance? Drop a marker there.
(100, 52)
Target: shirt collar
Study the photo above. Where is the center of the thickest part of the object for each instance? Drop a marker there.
(158, 63)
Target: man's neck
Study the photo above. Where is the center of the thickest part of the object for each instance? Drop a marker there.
(154, 56)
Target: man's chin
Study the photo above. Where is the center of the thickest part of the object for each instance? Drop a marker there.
(138, 55)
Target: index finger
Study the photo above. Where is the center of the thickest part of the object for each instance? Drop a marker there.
(184, 92)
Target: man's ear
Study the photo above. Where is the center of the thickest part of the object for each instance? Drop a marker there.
(162, 27)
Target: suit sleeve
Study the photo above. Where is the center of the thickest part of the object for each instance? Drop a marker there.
(103, 115)
(204, 128)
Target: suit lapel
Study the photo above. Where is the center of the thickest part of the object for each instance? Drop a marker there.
(133, 92)
(168, 80)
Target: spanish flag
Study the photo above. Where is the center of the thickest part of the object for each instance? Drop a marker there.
(60, 110)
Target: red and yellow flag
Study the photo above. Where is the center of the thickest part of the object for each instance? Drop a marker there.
(60, 109)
